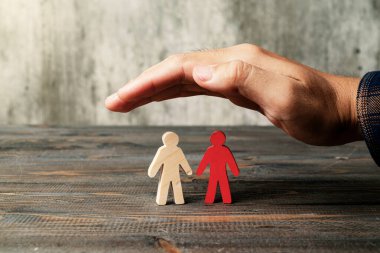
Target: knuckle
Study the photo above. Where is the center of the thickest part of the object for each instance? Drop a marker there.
(251, 49)
(236, 71)
(176, 58)
(239, 72)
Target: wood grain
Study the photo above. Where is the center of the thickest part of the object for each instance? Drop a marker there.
(86, 190)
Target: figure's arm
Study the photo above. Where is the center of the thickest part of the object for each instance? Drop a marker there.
(155, 165)
(185, 165)
(203, 164)
(232, 163)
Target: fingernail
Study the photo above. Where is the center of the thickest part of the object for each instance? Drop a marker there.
(204, 73)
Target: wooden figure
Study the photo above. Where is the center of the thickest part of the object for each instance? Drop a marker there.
(218, 156)
(170, 158)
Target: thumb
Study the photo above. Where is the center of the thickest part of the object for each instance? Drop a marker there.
(222, 78)
(238, 77)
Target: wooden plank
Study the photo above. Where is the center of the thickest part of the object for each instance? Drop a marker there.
(86, 190)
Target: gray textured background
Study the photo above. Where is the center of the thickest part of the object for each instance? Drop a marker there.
(60, 59)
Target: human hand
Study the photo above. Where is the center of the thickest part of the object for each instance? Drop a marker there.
(314, 107)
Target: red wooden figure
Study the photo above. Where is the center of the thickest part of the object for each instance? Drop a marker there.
(218, 156)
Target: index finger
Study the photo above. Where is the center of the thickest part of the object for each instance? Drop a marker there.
(158, 78)
(175, 70)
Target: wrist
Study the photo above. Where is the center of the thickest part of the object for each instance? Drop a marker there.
(354, 82)
(346, 93)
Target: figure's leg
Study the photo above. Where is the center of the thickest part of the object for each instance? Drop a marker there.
(177, 192)
(225, 190)
(211, 190)
(162, 192)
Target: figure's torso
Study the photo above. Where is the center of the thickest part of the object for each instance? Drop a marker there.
(218, 160)
(172, 157)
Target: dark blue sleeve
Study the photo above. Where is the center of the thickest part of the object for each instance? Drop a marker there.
(368, 108)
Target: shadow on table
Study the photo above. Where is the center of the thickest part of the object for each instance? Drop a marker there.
(310, 192)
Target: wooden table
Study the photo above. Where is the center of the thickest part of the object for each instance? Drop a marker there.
(87, 190)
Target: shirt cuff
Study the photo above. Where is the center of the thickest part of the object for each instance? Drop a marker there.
(368, 108)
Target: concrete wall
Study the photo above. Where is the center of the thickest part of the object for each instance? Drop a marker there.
(59, 59)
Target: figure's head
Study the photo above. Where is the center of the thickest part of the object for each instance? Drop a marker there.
(170, 139)
(218, 138)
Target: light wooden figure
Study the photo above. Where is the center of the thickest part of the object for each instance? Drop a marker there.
(171, 158)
